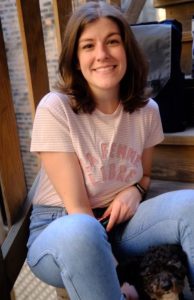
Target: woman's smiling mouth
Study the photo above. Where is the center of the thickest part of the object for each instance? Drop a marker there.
(105, 69)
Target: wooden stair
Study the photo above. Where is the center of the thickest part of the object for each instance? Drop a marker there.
(173, 164)
(174, 157)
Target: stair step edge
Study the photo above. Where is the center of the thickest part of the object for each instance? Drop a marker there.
(180, 138)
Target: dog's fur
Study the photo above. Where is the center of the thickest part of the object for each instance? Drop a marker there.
(159, 274)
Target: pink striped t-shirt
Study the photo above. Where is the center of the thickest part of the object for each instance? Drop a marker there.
(108, 146)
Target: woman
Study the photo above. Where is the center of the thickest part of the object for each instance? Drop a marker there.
(95, 138)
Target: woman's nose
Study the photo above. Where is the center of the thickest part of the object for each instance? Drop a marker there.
(102, 52)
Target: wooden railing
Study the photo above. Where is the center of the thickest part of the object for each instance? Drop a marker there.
(11, 174)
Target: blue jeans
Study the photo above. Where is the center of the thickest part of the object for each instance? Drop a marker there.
(75, 251)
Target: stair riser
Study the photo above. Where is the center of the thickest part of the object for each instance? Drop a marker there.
(174, 162)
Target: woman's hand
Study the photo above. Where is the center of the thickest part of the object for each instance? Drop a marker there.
(123, 206)
(126, 202)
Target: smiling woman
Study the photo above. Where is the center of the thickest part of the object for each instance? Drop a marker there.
(95, 136)
(102, 61)
(114, 34)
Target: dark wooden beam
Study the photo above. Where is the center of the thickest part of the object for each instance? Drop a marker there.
(115, 2)
(34, 49)
(11, 167)
(14, 248)
(62, 11)
(4, 292)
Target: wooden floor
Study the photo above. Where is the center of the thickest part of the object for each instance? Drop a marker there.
(29, 287)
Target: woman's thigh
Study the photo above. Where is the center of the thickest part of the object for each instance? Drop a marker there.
(74, 251)
(167, 218)
(40, 236)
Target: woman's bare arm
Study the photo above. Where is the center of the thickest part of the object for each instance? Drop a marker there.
(64, 171)
(147, 158)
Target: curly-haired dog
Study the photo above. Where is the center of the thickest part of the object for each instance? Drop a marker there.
(159, 274)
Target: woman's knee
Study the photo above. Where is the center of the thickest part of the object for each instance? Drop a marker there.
(70, 237)
(78, 231)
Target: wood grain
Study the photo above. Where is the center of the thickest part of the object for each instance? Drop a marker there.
(34, 49)
(165, 3)
(174, 163)
(62, 10)
(11, 167)
(115, 2)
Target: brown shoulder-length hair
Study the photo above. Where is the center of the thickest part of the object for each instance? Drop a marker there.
(71, 81)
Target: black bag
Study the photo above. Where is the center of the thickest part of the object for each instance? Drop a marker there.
(162, 44)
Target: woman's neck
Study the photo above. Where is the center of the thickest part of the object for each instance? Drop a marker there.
(107, 106)
(107, 102)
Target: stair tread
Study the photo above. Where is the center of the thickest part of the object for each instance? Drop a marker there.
(180, 138)
(158, 187)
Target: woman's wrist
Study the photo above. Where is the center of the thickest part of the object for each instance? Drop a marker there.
(142, 190)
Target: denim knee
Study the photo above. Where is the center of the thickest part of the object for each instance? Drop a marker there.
(69, 244)
(73, 235)
(79, 231)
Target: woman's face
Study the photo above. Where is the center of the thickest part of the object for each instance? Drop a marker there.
(101, 55)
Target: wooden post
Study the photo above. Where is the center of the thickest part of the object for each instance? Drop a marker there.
(134, 10)
(115, 2)
(62, 10)
(5, 295)
(2, 230)
(11, 169)
(34, 50)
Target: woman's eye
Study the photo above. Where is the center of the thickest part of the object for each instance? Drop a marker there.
(113, 42)
(87, 46)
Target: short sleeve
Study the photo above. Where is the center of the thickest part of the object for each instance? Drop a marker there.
(51, 130)
(155, 133)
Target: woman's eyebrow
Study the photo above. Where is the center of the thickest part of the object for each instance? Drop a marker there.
(83, 40)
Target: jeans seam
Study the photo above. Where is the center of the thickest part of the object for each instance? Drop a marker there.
(59, 263)
(69, 278)
(66, 274)
(33, 262)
